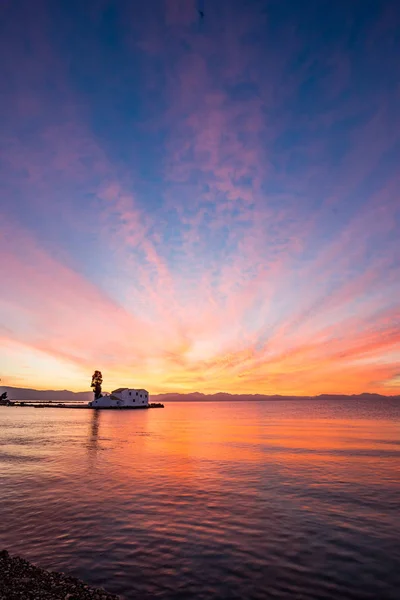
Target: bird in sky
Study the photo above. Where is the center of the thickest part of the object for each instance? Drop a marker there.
(201, 13)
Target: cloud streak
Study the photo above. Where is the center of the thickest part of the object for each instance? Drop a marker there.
(201, 205)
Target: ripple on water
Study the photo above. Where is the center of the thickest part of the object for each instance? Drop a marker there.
(237, 501)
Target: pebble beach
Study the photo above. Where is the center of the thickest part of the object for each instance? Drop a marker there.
(20, 580)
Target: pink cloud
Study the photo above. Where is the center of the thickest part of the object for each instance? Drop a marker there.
(65, 314)
(230, 284)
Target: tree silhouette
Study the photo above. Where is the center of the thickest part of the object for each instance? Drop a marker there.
(97, 380)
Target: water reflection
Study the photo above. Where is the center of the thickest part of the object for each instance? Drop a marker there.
(93, 441)
(208, 501)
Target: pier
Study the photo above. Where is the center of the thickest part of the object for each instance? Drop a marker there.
(76, 406)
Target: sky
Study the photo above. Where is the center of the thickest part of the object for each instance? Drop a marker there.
(200, 204)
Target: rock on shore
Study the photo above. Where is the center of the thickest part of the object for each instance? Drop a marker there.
(20, 580)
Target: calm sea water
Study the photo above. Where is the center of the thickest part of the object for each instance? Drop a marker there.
(228, 501)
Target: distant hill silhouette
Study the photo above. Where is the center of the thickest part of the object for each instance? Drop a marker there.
(226, 397)
(15, 393)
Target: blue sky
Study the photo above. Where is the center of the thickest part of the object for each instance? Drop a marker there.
(201, 204)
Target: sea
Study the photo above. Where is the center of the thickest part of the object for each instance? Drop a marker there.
(209, 500)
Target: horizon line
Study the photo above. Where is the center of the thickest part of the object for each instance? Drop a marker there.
(221, 393)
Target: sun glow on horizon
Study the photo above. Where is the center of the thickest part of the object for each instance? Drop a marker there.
(221, 215)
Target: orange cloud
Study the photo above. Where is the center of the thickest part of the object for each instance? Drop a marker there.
(265, 261)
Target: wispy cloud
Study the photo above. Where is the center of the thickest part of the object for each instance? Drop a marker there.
(215, 208)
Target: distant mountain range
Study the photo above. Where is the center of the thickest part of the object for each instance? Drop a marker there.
(225, 397)
(15, 393)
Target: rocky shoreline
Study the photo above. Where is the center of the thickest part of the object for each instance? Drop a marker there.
(20, 580)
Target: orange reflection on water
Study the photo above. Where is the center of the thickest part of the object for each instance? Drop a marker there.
(183, 441)
(247, 484)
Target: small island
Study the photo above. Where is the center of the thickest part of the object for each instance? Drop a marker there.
(119, 399)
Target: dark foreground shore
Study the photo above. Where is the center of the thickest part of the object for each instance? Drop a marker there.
(20, 580)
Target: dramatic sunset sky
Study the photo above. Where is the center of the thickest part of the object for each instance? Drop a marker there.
(200, 204)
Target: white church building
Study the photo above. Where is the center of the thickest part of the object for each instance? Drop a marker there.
(122, 398)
